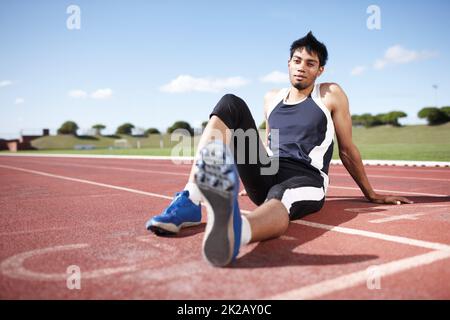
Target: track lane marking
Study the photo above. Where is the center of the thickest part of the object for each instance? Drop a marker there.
(322, 288)
(397, 239)
(166, 172)
(377, 235)
(394, 191)
(393, 177)
(350, 280)
(330, 186)
(88, 182)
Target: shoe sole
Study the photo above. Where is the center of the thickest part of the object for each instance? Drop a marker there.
(168, 229)
(215, 179)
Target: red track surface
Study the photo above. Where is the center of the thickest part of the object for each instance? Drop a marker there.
(58, 212)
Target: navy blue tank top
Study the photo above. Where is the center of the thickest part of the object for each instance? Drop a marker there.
(302, 131)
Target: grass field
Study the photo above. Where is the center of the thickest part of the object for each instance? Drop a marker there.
(420, 142)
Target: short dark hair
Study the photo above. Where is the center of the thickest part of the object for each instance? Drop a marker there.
(311, 44)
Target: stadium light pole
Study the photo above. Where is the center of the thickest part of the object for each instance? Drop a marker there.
(435, 87)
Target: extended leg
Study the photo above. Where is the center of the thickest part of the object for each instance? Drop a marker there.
(227, 230)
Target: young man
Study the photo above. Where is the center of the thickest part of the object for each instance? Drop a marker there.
(304, 119)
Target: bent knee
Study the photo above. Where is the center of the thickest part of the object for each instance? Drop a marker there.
(230, 98)
(233, 102)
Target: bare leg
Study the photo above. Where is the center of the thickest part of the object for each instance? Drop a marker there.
(215, 129)
(269, 220)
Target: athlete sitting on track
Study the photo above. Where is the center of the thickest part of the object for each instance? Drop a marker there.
(301, 122)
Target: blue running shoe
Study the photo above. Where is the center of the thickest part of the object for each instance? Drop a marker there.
(218, 181)
(181, 212)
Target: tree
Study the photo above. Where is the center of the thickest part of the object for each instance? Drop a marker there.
(181, 125)
(68, 127)
(98, 128)
(125, 128)
(392, 118)
(263, 125)
(356, 120)
(204, 123)
(446, 109)
(367, 120)
(152, 131)
(377, 120)
(433, 115)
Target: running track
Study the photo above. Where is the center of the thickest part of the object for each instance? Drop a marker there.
(61, 212)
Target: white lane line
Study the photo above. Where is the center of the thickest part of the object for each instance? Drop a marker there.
(170, 162)
(394, 191)
(326, 287)
(88, 182)
(397, 239)
(187, 168)
(408, 216)
(144, 164)
(392, 177)
(97, 156)
(330, 186)
(309, 292)
(110, 168)
(395, 169)
(376, 235)
(333, 162)
(399, 163)
(81, 225)
(186, 174)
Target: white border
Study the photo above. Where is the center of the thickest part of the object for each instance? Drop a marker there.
(400, 163)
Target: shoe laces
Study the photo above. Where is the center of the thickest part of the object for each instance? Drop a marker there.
(176, 202)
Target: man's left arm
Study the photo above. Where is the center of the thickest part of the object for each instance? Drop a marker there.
(348, 152)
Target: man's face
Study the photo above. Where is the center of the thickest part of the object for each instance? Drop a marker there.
(304, 68)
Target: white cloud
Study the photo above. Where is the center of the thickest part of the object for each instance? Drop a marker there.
(19, 101)
(102, 94)
(187, 83)
(358, 70)
(275, 77)
(399, 55)
(98, 94)
(77, 94)
(5, 83)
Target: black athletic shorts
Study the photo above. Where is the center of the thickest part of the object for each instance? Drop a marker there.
(299, 187)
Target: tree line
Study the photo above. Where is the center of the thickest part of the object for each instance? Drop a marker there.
(71, 127)
(433, 115)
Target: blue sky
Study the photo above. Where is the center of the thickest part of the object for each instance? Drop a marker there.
(152, 63)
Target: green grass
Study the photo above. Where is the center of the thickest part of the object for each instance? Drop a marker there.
(65, 142)
(420, 142)
(398, 151)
